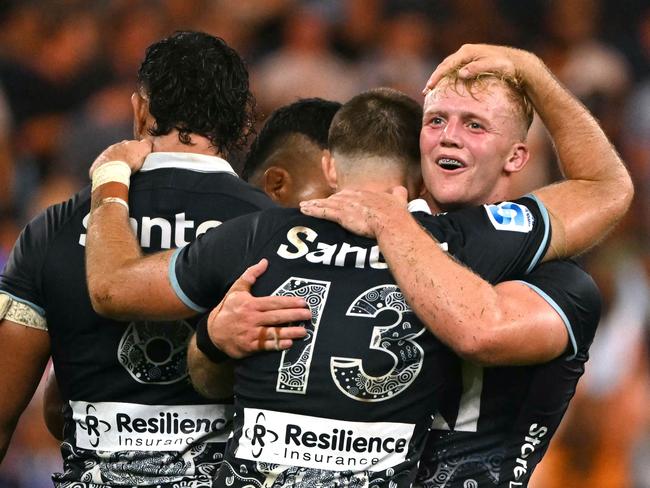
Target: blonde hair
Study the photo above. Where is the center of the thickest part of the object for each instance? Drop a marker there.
(513, 85)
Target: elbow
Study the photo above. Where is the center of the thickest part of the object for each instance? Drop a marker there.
(627, 193)
(103, 298)
(476, 349)
(622, 196)
(480, 344)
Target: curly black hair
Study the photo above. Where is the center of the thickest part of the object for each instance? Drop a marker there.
(196, 83)
(310, 117)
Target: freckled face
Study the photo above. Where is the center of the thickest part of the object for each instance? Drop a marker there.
(466, 142)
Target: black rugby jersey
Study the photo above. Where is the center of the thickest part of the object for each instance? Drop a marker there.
(131, 418)
(351, 404)
(496, 432)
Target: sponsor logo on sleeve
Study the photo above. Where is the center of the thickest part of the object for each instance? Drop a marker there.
(528, 447)
(510, 216)
(112, 426)
(314, 442)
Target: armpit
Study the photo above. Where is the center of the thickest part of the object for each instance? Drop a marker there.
(21, 313)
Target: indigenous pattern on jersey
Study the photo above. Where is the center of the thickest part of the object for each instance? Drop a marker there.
(131, 416)
(351, 404)
(496, 432)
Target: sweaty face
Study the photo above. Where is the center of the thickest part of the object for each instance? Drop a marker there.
(467, 145)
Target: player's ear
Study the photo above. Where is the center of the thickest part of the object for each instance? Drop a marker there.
(329, 169)
(141, 115)
(518, 158)
(277, 183)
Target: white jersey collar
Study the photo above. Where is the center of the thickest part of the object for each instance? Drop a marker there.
(419, 205)
(191, 161)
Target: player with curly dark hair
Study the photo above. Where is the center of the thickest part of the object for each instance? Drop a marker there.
(195, 83)
(193, 106)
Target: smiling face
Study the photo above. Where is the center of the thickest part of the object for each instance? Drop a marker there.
(470, 144)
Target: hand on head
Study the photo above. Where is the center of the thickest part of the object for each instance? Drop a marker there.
(479, 58)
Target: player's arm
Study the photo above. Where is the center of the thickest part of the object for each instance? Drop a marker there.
(481, 322)
(598, 189)
(24, 351)
(122, 282)
(239, 326)
(53, 405)
(211, 379)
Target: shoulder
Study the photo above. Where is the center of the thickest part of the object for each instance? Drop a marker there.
(574, 295)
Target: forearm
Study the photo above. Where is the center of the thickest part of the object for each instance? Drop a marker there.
(210, 379)
(122, 283)
(455, 304)
(598, 185)
(110, 247)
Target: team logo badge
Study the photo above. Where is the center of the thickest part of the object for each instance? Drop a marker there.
(510, 216)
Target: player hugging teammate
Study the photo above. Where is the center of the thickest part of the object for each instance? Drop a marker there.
(399, 311)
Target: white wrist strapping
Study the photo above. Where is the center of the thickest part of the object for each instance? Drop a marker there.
(113, 171)
(119, 200)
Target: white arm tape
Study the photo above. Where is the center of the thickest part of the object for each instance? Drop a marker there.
(113, 171)
(20, 313)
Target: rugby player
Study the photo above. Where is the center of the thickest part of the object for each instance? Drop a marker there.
(116, 377)
(365, 442)
(284, 159)
(497, 431)
(565, 190)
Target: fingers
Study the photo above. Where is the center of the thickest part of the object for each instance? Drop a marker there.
(278, 317)
(279, 345)
(131, 152)
(275, 302)
(475, 59)
(321, 212)
(278, 338)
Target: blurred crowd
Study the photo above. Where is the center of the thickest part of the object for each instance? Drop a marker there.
(67, 70)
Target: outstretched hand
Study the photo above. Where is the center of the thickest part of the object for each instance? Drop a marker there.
(361, 212)
(132, 153)
(243, 324)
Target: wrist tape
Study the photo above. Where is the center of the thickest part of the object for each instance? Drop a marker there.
(205, 344)
(113, 171)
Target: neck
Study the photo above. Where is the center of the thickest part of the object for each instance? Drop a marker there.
(171, 143)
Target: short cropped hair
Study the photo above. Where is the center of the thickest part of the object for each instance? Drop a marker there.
(381, 122)
(513, 85)
(195, 83)
(310, 117)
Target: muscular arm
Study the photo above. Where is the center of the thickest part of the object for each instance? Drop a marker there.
(598, 189)
(24, 352)
(492, 325)
(122, 282)
(501, 324)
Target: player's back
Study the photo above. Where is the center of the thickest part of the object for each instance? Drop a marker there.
(131, 416)
(350, 404)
